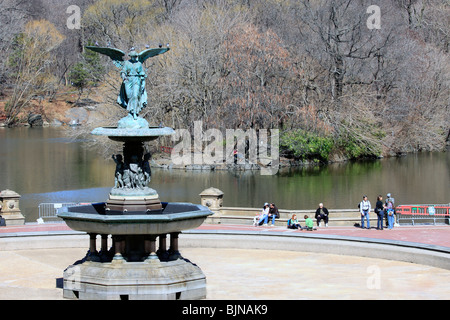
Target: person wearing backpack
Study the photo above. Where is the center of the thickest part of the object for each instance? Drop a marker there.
(391, 200)
(293, 223)
(364, 209)
(390, 212)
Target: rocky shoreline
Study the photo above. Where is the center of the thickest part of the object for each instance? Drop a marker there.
(57, 113)
(166, 164)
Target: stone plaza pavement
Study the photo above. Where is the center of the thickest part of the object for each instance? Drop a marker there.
(33, 257)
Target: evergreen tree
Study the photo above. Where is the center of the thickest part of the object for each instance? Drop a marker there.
(87, 72)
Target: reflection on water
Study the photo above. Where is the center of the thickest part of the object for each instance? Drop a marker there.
(43, 165)
(39, 163)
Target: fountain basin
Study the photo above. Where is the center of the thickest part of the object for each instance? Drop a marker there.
(133, 134)
(174, 217)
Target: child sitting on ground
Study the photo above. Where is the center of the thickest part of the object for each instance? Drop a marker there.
(309, 223)
(256, 219)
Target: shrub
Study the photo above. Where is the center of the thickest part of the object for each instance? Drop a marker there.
(305, 145)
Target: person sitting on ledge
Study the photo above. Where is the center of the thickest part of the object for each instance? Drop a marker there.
(293, 223)
(262, 217)
(273, 213)
(322, 214)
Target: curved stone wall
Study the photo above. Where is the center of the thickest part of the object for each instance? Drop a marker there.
(431, 255)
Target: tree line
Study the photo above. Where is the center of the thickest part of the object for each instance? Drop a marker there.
(312, 68)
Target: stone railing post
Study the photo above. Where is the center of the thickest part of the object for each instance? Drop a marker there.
(9, 208)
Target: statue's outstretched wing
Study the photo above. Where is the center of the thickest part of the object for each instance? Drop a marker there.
(113, 53)
(144, 55)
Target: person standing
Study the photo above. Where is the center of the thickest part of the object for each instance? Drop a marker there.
(322, 214)
(379, 210)
(364, 209)
(389, 204)
(2, 220)
(390, 211)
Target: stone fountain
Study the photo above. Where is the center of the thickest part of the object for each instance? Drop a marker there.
(137, 264)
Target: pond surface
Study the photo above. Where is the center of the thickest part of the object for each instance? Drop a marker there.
(44, 165)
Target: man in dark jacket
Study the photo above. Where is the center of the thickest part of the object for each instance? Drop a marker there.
(273, 213)
(322, 214)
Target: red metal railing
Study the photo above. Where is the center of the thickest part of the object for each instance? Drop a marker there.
(423, 210)
(423, 213)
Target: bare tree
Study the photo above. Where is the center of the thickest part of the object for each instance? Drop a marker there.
(434, 23)
(31, 64)
(122, 24)
(190, 88)
(12, 18)
(261, 80)
(169, 6)
(343, 44)
(414, 10)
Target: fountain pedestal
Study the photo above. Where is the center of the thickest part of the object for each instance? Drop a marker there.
(133, 205)
(149, 280)
(131, 195)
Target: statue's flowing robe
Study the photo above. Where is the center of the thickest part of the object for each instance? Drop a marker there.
(133, 95)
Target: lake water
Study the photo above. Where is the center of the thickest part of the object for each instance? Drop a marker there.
(43, 165)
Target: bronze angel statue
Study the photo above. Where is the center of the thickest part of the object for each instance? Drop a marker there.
(133, 95)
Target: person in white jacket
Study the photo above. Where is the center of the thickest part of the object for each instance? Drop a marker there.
(263, 216)
(364, 209)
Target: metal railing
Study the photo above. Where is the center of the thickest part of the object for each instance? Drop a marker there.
(439, 213)
(50, 210)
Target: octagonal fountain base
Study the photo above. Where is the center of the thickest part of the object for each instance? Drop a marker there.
(147, 280)
(132, 267)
